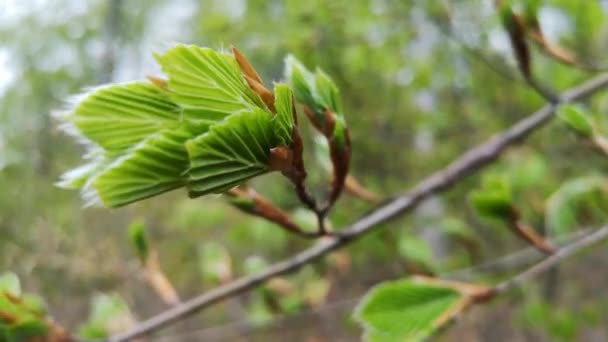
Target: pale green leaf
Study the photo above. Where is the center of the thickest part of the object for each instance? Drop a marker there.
(109, 314)
(139, 240)
(404, 310)
(302, 82)
(117, 117)
(154, 166)
(574, 196)
(327, 92)
(207, 84)
(284, 119)
(233, 151)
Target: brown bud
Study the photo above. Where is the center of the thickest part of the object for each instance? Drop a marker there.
(281, 159)
(159, 82)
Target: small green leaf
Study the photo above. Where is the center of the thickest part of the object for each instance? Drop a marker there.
(207, 84)
(404, 310)
(577, 119)
(284, 119)
(154, 166)
(494, 199)
(302, 82)
(117, 117)
(563, 208)
(139, 240)
(328, 94)
(109, 314)
(232, 152)
(9, 283)
(416, 250)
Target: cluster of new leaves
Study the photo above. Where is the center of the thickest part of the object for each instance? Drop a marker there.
(208, 128)
(23, 316)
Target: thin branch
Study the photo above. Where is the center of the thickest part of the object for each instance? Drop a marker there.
(552, 260)
(470, 162)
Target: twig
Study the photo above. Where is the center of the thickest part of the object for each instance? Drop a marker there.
(552, 260)
(468, 163)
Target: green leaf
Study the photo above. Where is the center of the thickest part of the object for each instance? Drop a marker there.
(577, 119)
(405, 310)
(284, 119)
(117, 117)
(494, 199)
(302, 82)
(109, 314)
(154, 166)
(9, 283)
(139, 240)
(207, 84)
(563, 207)
(327, 92)
(416, 250)
(232, 152)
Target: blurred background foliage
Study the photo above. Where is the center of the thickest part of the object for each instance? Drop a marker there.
(421, 80)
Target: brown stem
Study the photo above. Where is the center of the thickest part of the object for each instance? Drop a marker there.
(266, 210)
(527, 233)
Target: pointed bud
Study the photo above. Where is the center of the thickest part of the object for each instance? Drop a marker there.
(159, 82)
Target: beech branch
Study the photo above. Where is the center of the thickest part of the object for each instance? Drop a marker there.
(470, 162)
(552, 260)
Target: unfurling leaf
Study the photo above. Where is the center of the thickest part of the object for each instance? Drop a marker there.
(318, 93)
(205, 128)
(412, 309)
(577, 119)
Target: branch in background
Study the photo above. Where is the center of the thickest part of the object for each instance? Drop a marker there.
(470, 162)
(552, 260)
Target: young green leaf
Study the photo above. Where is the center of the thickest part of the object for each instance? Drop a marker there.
(154, 166)
(564, 207)
(139, 240)
(302, 82)
(406, 310)
(494, 199)
(231, 152)
(207, 84)
(328, 94)
(284, 119)
(577, 119)
(117, 117)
